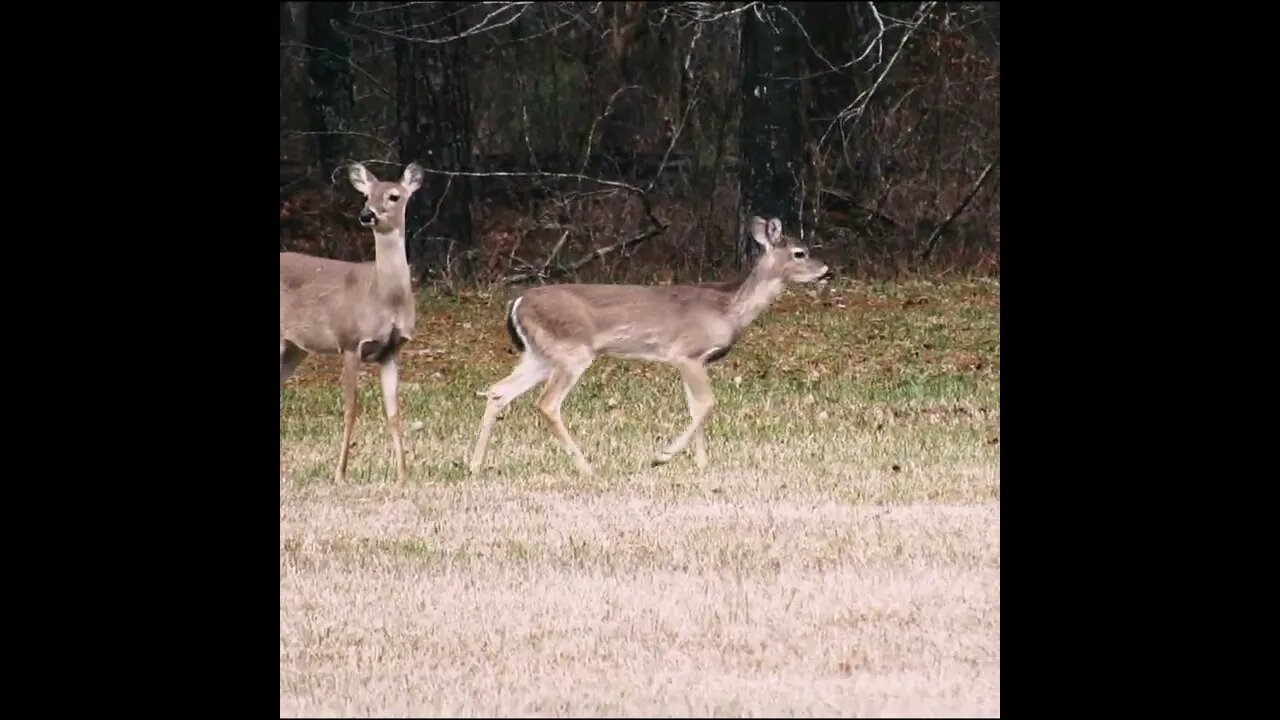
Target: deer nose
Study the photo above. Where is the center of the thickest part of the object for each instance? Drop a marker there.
(366, 216)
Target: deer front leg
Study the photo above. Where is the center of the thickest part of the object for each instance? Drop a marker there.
(701, 400)
(350, 377)
(390, 372)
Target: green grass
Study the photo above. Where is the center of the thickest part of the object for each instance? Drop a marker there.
(883, 380)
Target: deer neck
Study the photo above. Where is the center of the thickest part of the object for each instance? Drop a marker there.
(391, 267)
(754, 296)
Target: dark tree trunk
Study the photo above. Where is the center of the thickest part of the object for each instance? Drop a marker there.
(332, 97)
(771, 139)
(286, 32)
(286, 27)
(621, 130)
(435, 131)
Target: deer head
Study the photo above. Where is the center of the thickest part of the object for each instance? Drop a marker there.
(385, 202)
(784, 256)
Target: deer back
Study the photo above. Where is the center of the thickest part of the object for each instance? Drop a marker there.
(653, 323)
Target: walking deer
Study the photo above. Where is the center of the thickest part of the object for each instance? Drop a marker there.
(361, 311)
(561, 329)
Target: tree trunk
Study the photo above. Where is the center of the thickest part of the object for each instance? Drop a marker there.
(332, 97)
(771, 139)
(286, 34)
(286, 27)
(435, 130)
(621, 130)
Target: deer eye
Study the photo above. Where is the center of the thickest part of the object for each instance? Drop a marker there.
(393, 197)
(798, 254)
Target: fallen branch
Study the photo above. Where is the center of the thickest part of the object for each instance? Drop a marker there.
(937, 232)
(643, 195)
(555, 251)
(561, 270)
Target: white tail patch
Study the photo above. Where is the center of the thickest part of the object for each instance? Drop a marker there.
(515, 324)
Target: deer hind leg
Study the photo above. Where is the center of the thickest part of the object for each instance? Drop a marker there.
(389, 370)
(562, 380)
(530, 371)
(350, 378)
(701, 400)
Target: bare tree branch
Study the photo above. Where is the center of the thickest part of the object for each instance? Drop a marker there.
(698, 12)
(608, 110)
(855, 109)
(562, 176)
(684, 117)
(555, 250)
(589, 257)
(483, 26)
(937, 232)
(573, 17)
(876, 43)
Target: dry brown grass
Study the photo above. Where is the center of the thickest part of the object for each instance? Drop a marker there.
(840, 556)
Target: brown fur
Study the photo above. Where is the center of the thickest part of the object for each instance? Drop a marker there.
(561, 329)
(330, 306)
(362, 311)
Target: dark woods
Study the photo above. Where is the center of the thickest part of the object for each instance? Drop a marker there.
(631, 141)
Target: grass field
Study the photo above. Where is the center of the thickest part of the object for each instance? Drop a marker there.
(839, 556)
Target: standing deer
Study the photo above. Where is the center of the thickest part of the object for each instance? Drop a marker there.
(561, 329)
(361, 311)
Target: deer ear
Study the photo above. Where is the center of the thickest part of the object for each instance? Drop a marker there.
(760, 231)
(360, 178)
(775, 231)
(412, 178)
